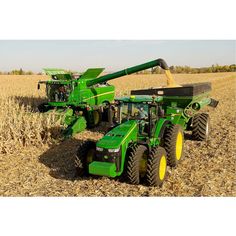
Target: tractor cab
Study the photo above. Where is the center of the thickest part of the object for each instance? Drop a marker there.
(143, 109)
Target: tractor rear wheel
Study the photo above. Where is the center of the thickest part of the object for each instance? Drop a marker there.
(136, 163)
(156, 167)
(85, 155)
(174, 144)
(200, 127)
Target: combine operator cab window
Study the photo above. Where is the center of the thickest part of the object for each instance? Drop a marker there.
(58, 92)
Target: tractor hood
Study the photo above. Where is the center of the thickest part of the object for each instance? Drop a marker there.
(117, 136)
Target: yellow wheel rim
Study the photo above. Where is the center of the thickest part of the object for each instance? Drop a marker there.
(179, 145)
(96, 117)
(90, 155)
(162, 167)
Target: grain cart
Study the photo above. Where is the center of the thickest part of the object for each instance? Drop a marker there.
(148, 134)
(82, 100)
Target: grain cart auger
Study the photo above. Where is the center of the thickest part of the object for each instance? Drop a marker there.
(148, 134)
(82, 101)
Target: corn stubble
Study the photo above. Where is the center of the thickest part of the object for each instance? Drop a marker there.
(34, 161)
(21, 126)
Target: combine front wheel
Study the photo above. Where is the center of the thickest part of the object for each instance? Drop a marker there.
(174, 144)
(84, 156)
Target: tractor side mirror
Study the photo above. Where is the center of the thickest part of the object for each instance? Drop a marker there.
(38, 86)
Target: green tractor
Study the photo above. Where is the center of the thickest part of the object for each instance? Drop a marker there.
(83, 100)
(147, 134)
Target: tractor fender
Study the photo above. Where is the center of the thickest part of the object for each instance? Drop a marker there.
(160, 128)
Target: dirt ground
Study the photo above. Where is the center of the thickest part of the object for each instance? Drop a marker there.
(208, 168)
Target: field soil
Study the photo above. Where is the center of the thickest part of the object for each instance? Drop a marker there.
(35, 162)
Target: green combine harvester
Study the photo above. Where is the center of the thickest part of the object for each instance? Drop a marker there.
(147, 133)
(83, 100)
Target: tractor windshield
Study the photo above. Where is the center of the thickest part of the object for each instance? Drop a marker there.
(58, 92)
(133, 111)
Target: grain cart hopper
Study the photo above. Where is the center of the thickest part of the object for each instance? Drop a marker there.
(148, 134)
(83, 100)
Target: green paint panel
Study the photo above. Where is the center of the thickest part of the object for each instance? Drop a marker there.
(102, 168)
(92, 73)
(53, 71)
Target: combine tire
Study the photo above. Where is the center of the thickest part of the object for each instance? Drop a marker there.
(156, 167)
(84, 156)
(174, 144)
(43, 107)
(136, 164)
(200, 127)
(95, 119)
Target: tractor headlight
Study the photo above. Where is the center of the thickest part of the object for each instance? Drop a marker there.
(114, 150)
(99, 149)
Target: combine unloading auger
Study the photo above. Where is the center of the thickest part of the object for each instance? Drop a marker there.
(82, 100)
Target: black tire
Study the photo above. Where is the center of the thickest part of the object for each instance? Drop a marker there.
(84, 156)
(96, 119)
(43, 107)
(156, 167)
(133, 163)
(174, 144)
(200, 127)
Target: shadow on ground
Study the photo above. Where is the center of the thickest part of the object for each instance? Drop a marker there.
(188, 136)
(29, 102)
(60, 159)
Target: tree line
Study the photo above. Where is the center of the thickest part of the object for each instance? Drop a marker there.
(156, 70)
(191, 70)
(18, 72)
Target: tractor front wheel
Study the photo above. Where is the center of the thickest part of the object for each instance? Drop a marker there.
(174, 144)
(85, 155)
(136, 163)
(156, 167)
(200, 127)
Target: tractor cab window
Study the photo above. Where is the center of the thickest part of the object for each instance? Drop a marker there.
(153, 111)
(58, 92)
(133, 111)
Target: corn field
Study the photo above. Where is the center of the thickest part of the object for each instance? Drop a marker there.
(32, 155)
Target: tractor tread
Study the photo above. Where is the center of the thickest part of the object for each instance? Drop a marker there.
(132, 167)
(153, 162)
(80, 157)
(170, 144)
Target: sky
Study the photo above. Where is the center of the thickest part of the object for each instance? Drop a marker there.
(78, 55)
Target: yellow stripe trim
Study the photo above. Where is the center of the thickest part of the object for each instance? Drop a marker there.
(102, 94)
(128, 134)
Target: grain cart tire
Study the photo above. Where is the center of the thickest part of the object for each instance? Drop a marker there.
(174, 144)
(200, 127)
(156, 167)
(85, 155)
(136, 164)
